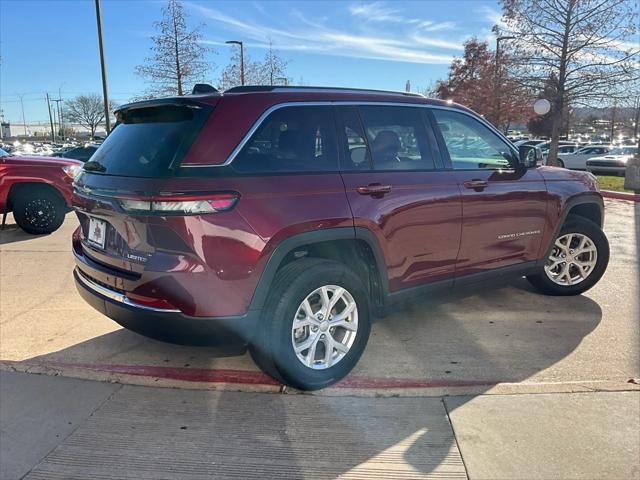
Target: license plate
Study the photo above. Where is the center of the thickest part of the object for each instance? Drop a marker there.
(97, 232)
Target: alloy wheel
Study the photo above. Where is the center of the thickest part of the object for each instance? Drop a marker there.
(324, 327)
(572, 259)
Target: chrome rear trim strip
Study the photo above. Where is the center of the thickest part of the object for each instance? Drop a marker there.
(118, 297)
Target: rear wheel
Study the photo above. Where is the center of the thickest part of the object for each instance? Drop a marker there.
(38, 210)
(315, 324)
(577, 261)
(560, 163)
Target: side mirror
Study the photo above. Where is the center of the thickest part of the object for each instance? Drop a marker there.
(530, 156)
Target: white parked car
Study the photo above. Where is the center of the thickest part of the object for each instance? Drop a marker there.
(615, 162)
(578, 159)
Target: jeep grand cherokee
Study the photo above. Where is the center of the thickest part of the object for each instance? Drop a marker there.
(285, 218)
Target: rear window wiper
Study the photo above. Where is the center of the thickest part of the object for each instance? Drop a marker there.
(93, 166)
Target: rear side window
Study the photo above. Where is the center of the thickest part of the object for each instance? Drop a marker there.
(149, 142)
(291, 139)
(397, 138)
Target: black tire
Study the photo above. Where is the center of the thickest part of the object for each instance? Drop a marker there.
(560, 163)
(272, 348)
(39, 210)
(576, 224)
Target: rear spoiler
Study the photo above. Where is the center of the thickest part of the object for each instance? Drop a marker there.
(190, 101)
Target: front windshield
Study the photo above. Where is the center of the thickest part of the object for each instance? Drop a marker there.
(3, 153)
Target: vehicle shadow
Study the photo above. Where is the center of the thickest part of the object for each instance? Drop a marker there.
(487, 332)
(11, 233)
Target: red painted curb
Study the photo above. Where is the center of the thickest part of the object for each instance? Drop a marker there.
(632, 197)
(248, 377)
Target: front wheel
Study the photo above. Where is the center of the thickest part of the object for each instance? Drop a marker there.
(578, 259)
(315, 324)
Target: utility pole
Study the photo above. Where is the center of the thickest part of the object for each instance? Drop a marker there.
(237, 42)
(58, 100)
(24, 122)
(105, 95)
(53, 134)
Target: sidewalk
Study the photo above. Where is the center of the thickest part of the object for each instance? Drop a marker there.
(64, 428)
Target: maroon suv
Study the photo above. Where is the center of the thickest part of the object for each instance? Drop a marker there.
(285, 218)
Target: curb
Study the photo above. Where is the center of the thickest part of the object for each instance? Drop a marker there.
(257, 382)
(631, 197)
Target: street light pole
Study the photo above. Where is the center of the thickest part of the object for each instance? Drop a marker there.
(105, 95)
(237, 42)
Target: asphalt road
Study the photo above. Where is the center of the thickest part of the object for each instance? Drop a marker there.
(496, 338)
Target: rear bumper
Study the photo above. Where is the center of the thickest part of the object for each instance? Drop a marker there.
(166, 325)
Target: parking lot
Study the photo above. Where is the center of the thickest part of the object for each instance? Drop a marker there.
(477, 345)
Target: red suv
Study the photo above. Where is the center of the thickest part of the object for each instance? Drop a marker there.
(285, 218)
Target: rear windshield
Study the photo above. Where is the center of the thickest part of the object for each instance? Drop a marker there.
(148, 142)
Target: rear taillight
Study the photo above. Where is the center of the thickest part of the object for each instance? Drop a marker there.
(180, 204)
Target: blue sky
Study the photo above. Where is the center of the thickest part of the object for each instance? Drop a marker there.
(52, 45)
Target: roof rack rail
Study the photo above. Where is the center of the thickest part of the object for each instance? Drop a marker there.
(293, 88)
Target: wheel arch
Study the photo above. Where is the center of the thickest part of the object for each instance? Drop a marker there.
(357, 248)
(19, 188)
(589, 206)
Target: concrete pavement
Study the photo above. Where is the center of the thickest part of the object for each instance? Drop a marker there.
(492, 339)
(498, 338)
(95, 430)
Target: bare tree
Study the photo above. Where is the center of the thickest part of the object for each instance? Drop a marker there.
(269, 71)
(274, 66)
(86, 110)
(230, 76)
(584, 44)
(178, 58)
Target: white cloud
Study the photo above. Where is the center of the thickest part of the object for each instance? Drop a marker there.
(492, 15)
(311, 36)
(376, 12)
(437, 42)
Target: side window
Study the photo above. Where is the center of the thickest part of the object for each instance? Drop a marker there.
(354, 149)
(291, 139)
(397, 138)
(471, 145)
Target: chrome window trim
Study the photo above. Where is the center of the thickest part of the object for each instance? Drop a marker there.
(338, 103)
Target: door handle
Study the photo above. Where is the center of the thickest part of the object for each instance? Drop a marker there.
(475, 184)
(374, 189)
